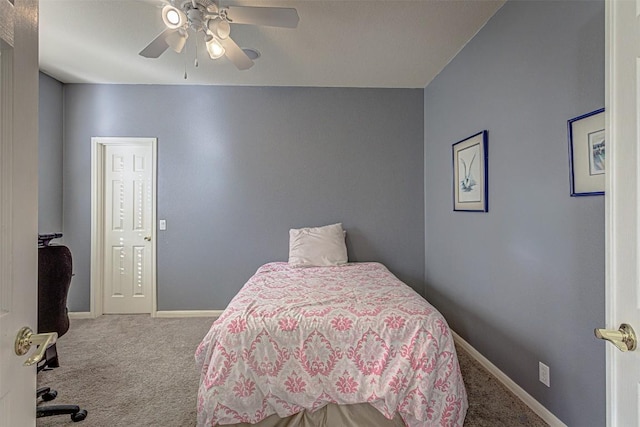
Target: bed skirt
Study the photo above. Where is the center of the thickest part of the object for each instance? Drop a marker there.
(331, 415)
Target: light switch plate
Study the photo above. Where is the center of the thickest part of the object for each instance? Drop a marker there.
(163, 224)
(544, 374)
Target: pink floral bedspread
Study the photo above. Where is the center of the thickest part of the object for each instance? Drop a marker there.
(300, 338)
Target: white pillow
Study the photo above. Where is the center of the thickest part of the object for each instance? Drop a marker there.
(317, 246)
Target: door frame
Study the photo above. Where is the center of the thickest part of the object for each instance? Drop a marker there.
(619, 81)
(610, 410)
(98, 149)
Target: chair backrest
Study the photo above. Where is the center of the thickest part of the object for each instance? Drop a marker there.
(54, 278)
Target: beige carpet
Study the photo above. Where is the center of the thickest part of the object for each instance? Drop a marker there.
(130, 371)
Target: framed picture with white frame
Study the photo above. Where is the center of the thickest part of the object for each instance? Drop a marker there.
(587, 154)
(470, 189)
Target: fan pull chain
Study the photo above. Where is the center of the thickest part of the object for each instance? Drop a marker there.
(195, 63)
(185, 64)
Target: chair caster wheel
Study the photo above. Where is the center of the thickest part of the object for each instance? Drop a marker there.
(79, 416)
(49, 396)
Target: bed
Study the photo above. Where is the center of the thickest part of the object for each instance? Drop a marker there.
(298, 340)
(320, 341)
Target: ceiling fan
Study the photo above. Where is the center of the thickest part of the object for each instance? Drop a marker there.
(207, 16)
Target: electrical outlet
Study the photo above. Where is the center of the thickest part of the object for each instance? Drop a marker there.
(544, 374)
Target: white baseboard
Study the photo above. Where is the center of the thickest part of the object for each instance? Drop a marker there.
(189, 313)
(528, 400)
(80, 315)
(168, 313)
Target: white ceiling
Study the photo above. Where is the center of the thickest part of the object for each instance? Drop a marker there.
(357, 43)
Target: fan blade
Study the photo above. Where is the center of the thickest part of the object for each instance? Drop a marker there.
(235, 54)
(157, 3)
(268, 16)
(158, 45)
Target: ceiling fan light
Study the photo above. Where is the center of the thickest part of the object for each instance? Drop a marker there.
(177, 40)
(214, 48)
(219, 28)
(173, 17)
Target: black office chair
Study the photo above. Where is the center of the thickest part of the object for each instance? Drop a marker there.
(54, 279)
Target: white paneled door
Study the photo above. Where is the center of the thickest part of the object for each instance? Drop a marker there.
(18, 204)
(622, 201)
(128, 227)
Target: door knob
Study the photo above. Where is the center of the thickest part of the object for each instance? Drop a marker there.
(624, 338)
(26, 338)
(147, 238)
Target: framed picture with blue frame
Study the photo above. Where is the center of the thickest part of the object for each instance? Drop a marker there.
(586, 135)
(470, 172)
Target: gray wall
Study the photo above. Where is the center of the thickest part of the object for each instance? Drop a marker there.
(50, 120)
(239, 166)
(524, 282)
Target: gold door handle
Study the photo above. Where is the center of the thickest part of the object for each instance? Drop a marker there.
(26, 338)
(624, 338)
(148, 238)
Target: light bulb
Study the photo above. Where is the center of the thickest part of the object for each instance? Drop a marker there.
(172, 17)
(214, 48)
